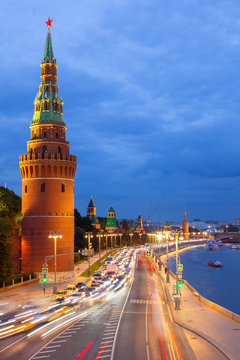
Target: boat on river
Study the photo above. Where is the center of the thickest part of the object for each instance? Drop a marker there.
(237, 247)
(211, 245)
(216, 264)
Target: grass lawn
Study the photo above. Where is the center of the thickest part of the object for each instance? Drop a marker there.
(95, 266)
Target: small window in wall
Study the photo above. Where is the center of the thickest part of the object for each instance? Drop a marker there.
(45, 135)
(43, 187)
(56, 135)
(44, 149)
(25, 188)
(63, 187)
(59, 150)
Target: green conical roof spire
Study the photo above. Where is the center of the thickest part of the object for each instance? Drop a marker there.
(48, 51)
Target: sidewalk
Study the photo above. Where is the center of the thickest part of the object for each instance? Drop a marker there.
(208, 324)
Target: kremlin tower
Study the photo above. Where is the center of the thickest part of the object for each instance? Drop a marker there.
(91, 213)
(139, 228)
(48, 172)
(111, 224)
(185, 226)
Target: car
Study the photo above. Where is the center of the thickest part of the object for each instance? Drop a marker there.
(61, 294)
(88, 291)
(71, 288)
(81, 285)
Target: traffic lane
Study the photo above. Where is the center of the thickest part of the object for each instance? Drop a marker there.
(20, 344)
(136, 338)
(86, 337)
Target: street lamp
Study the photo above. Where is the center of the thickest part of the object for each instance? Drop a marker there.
(167, 273)
(55, 234)
(99, 247)
(106, 241)
(88, 236)
(177, 298)
(120, 235)
(140, 235)
(111, 235)
(131, 235)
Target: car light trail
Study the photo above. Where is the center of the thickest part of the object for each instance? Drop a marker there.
(101, 351)
(60, 325)
(84, 351)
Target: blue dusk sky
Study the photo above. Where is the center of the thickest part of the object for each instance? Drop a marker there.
(151, 92)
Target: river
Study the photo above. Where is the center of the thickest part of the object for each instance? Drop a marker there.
(220, 285)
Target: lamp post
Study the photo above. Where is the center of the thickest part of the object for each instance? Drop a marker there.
(111, 235)
(106, 241)
(99, 247)
(177, 298)
(88, 236)
(131, 235)
(140, 235)
(167, 273)
(55, 234)
(120, 245)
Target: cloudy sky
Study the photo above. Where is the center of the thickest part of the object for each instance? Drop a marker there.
(151, 92)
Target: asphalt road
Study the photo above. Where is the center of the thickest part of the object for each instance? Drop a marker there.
(131, 323)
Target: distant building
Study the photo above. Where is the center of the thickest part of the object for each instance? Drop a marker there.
(185, 226)
(91, 214)
(111, 224)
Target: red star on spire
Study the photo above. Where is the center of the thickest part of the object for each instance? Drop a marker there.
(49, 23)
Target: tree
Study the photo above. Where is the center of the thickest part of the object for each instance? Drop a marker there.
(6, 233)
(82, 224)
(10, 204)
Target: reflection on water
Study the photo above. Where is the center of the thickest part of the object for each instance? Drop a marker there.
(220, 285)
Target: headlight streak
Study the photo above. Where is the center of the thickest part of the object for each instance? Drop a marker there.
(24, 321)
(39, 319)
(13, 330)
(60, 325)
(8, 322)
(52, 322)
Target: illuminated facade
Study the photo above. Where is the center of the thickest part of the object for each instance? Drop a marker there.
(111, 224)
(139, 228)
(47, 172)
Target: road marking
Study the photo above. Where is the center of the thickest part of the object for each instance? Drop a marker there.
(103, 342)
(70, 332)
(58, 341)
(119, 321)
(51, 346)
(63, 336)
(103, 356)
(47, 351)
(41, 357)
(148, 356)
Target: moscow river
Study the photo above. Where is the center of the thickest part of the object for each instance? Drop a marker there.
(220, 285)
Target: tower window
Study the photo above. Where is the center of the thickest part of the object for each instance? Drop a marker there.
(44, 149)
(63, 187)
(45, 135)
(43, 187)
(25, 188)
(46, 87)
(59, 150)
(53, 88)
(46, 105)
(56, 135)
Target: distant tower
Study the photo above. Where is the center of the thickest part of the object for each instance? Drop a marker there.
(91, 213)
(139, 227)
(48, 172)
(185, 226)
(111, 224)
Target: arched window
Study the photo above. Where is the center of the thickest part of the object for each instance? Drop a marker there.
(55, 106)
(46, 105)
(63, 187)
(25, 188)
(45, 135)
(44, 149)
(56, 135)
(59, 150)
(37, 106)
(53, 88)
(43, 187)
